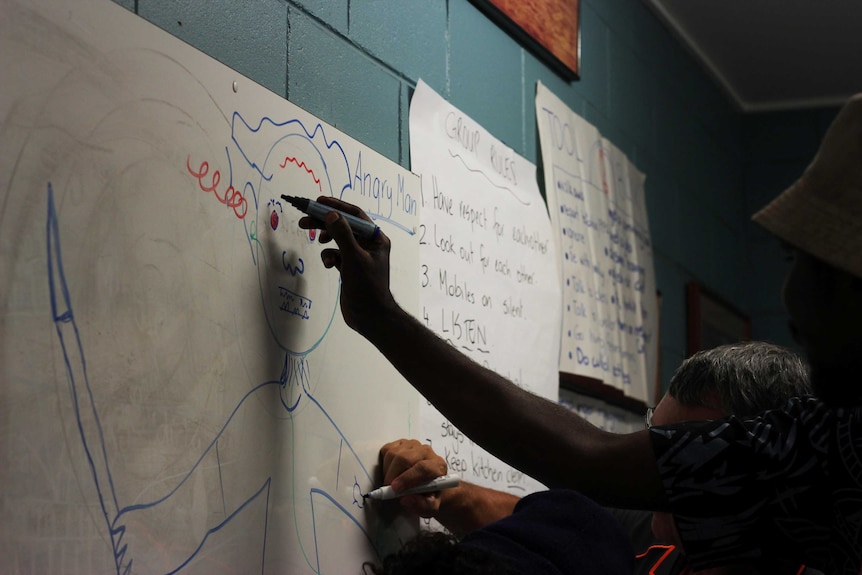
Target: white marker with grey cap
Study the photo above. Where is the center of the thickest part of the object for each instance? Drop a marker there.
(442, 482)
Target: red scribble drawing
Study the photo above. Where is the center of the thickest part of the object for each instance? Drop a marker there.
(603, 173)
(232, 197)
(304, 167)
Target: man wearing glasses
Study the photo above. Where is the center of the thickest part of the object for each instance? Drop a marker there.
(739, 380)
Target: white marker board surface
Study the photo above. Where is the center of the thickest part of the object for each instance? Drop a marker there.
(178, 390)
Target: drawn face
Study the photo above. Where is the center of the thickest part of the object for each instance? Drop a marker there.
(288, 259)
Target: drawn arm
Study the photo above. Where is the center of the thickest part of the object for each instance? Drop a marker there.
(86, 416)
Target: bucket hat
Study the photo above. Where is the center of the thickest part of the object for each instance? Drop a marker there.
(821, 213)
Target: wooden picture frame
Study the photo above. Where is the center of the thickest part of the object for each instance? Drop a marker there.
(548, 28)
(600, 390)
(712, 321)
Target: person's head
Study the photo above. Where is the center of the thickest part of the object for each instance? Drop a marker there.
(819, 218)
(435, 553)
(742, 379)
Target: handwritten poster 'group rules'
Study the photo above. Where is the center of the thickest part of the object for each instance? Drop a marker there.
(596, 202)
(489, 279)
(178, 390)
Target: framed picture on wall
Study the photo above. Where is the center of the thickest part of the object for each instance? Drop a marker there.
(712, 321)
(549, 28)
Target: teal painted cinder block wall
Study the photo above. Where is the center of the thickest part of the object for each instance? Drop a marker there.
(353, 63)
(778, 148)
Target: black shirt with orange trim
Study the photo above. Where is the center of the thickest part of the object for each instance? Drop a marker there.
(655, 558)
(787, 483)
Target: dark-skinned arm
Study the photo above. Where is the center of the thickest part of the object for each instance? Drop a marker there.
(535, 435)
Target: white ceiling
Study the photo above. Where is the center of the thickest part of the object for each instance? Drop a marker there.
(773, 54)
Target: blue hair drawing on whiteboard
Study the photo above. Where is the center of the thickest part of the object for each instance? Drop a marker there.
(284, 304)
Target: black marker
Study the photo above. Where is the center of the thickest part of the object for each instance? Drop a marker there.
(361, 228)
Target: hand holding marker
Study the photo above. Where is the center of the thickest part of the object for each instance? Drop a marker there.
(368, 230)
(443, 482)
(361, 228)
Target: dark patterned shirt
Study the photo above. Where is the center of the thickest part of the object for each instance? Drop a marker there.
(787, 483)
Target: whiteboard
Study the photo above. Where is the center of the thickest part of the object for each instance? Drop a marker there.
(179, 392)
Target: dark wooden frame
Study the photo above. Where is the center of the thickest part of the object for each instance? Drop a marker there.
(713, 321)
(600, 390)
(555, 39)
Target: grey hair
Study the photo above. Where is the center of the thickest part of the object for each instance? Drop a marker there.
(741, 379)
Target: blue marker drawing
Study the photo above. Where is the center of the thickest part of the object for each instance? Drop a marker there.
(284, 300)
(87, 416)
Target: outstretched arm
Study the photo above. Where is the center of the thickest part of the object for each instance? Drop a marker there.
(537, 436)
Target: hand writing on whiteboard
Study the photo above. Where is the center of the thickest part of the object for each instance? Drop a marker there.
(364, 266)
(406, 463)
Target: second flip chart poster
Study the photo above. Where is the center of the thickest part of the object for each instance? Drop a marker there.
(489, 278)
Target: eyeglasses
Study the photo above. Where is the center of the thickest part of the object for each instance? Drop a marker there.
(648, 417)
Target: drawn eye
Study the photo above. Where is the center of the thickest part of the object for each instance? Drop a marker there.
(273, 220)
(312, 235)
